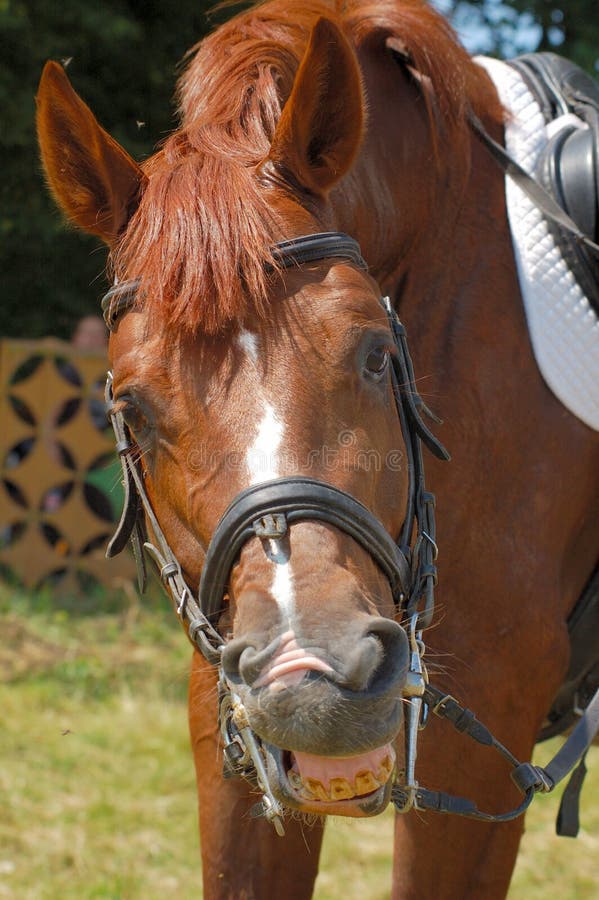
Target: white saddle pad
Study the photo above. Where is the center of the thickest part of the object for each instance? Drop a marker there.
(564, 330)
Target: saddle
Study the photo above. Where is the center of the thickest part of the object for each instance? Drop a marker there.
(568, 169)
(569, 165)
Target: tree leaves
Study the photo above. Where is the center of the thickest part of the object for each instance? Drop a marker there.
(508, 27)
(123, 57)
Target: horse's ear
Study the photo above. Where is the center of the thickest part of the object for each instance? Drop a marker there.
(95, 182)
(320, 129)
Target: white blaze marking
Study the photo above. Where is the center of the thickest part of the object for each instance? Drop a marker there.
(249, 342)
(282, 588)
(262, 462)
(262, 456)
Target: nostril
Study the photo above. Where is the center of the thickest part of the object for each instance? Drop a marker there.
(231, 656)
(393, 644)
(251, 663)
(361, 663)
(379, 657)
(388, 632)
(242, 660)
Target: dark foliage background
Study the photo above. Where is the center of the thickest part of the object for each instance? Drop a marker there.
(123, 60)
(123, 56)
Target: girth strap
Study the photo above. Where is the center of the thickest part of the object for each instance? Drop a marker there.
(266, 510)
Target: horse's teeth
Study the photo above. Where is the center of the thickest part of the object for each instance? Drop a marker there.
(316, 788)
(341, 789)
(366, 783)
(385, 768)
(295, 779)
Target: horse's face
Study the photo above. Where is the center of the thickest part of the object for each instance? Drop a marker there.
(312, 648)
(313, 652)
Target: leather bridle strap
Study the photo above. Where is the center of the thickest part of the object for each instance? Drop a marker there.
(290, 254)
(535, 191)
(136, 510)
(315, 247)
(277, 504)
(528, 778)
(266, 511)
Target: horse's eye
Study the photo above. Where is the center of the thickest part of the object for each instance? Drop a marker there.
(134, 417)
(376, 363)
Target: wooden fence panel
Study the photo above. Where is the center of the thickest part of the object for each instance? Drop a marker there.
(61, 488)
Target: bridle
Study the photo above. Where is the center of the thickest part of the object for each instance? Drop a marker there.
(267, 510)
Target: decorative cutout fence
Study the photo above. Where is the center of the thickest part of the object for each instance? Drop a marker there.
(61, 489)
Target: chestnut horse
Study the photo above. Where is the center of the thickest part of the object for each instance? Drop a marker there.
(232, 368)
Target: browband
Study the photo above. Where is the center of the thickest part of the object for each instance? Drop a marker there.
(287, 254)
(315, 247)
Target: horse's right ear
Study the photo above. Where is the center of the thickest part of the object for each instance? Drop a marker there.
(95, 182)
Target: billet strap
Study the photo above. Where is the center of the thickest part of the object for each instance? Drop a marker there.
(536, 192)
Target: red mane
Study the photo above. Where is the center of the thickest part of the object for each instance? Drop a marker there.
(203, 231)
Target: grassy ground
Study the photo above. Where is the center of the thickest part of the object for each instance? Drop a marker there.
(96, 781)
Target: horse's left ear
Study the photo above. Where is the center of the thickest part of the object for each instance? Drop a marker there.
(94, 180)
(321, 125)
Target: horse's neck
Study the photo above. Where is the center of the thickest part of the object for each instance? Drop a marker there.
(461, 304)
(438, 242)
(461, 281)
(421, 206)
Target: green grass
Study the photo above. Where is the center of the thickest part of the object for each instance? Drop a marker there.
(97, 794)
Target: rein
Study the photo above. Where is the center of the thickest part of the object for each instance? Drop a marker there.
(266, 511)
(539, 195)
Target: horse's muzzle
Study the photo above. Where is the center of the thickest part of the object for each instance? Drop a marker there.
(336, 701)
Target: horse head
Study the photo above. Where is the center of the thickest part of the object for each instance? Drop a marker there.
(231, 370)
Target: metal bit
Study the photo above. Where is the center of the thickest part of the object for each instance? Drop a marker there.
(414, 691)
(272, 810)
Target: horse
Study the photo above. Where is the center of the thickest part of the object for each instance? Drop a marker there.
(243, 360)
